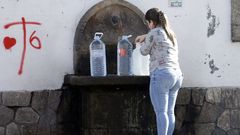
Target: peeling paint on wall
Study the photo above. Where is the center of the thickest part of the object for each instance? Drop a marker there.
(213, 22)
(211, 64)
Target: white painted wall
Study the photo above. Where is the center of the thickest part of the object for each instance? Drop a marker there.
(45, 68)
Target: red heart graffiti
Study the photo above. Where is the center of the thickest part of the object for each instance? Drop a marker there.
(9, 42)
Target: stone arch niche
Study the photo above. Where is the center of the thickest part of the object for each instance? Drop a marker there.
(112, 17)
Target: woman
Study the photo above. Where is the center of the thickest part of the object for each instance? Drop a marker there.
(165, 74)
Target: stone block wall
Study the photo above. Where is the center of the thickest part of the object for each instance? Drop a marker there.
(208, 111)
(29, 113)
(199, 111)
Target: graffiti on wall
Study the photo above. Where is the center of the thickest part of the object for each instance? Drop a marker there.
(33, 40)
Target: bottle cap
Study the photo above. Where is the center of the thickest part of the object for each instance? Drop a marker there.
(126, 37)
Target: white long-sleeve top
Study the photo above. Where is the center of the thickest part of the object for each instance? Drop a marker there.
(161, 50)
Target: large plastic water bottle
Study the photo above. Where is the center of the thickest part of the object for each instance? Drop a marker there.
(124, 56)
(98, 56)
(140, 62)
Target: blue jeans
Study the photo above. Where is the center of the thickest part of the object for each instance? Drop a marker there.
(164, 86)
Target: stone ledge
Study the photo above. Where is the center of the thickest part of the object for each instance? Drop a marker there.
(75, 80)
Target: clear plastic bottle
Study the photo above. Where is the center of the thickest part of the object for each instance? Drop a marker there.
(124, 56)
(98, 56)
(140, 62)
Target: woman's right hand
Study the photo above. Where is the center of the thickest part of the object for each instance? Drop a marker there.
(140, 39)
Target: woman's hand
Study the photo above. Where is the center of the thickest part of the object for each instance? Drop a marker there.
(140, 39)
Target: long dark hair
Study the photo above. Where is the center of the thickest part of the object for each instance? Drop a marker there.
(160, 19)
